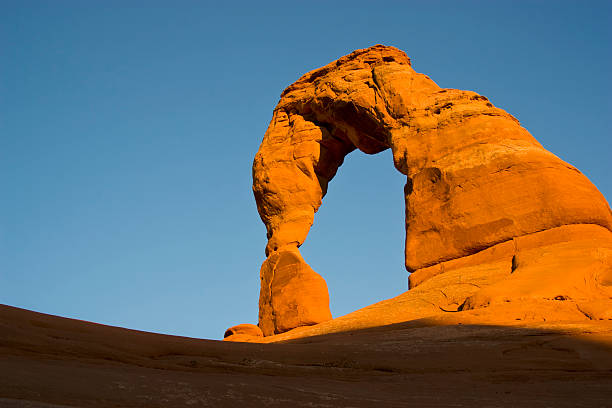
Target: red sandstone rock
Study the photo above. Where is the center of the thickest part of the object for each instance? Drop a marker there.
(292, 294)
(572, 264)
(477, 183)
(243, 332)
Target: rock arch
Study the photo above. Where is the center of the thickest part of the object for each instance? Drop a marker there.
(474, 177)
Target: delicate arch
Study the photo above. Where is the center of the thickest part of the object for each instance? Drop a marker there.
(475, 177)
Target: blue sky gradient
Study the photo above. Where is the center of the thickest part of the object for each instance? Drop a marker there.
(128, 130)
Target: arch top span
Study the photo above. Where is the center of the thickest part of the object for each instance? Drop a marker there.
(353, 103)
(475, 177)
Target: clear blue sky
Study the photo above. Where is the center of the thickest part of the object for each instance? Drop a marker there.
(128, 130)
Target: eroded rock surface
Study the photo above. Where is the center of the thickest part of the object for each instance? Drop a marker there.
(477, 186)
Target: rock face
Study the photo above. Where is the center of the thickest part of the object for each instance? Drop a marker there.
(482, 195)
(292, 294)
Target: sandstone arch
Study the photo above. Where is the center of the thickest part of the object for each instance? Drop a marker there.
(476, 179)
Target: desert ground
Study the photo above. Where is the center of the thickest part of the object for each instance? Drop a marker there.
(51, 362)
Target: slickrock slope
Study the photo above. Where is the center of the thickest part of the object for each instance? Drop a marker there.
(492, 218)
(53, 362)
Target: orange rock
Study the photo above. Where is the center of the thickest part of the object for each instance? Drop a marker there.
(475, 177)
(243, 332)
(292, 294)
(572, 263)
(500, 253)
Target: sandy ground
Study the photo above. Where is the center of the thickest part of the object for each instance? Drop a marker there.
(48, 361)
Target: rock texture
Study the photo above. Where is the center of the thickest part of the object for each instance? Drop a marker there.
(243, 332)
(482, 195)
(292, 294)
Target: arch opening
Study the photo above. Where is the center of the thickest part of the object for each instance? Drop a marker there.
(356, 241)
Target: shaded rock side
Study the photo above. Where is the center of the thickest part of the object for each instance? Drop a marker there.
(474, 177)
